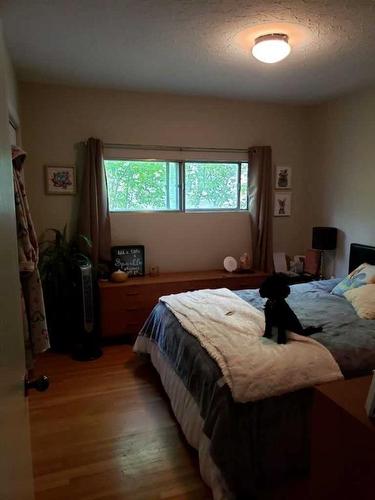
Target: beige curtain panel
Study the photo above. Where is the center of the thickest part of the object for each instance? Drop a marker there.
(93, 218)
(260, 206)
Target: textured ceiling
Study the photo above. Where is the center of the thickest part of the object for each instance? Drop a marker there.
(193, 46)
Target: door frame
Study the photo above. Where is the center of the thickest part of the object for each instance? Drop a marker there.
(16, 481)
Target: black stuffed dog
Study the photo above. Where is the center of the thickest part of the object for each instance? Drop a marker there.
(278, 313)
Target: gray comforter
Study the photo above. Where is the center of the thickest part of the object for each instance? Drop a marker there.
(255, 443)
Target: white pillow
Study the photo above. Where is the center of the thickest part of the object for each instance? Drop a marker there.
(363, 300)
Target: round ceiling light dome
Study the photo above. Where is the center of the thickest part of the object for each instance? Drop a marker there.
(271, 48)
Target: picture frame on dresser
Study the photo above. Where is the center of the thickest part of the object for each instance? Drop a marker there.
(129, 258)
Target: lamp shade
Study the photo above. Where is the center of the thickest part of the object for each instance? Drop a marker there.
(324, 238)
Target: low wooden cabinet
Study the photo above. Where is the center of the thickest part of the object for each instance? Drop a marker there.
(124, 307)
(342, 442)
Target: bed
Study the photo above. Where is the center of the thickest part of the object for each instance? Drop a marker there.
(245, 446)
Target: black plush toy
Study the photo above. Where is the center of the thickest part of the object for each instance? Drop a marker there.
(278, 313)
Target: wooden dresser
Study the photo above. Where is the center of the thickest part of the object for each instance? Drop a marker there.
(342, 442)
(124, 307)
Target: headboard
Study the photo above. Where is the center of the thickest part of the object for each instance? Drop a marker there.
(360, 254)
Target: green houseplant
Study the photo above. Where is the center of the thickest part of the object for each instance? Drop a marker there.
(58, 258)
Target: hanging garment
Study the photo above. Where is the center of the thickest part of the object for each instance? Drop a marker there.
(33, 313)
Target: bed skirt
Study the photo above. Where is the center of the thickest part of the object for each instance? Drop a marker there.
(187, 414)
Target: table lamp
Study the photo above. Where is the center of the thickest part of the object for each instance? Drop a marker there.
(324, 238)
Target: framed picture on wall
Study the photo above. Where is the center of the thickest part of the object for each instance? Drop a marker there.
(60, 180)
(283, 177)
(282, 204)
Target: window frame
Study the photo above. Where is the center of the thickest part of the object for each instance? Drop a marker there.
(181, 187)
(149, 211)
(238, 207)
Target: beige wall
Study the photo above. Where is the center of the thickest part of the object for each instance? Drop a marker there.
(55, 119)
(343, 162)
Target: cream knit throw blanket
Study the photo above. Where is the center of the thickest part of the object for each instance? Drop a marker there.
(231, 331)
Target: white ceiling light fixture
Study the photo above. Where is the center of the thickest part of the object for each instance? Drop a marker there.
(271, 48)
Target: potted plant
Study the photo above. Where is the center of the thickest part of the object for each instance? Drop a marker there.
(58, 259)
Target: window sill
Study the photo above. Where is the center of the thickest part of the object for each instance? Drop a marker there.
(148, 212)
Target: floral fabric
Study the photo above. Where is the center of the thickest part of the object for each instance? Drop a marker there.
(33, 313)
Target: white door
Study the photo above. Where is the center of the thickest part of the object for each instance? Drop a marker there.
(15, 457)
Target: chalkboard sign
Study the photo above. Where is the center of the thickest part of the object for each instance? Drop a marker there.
(130, 259)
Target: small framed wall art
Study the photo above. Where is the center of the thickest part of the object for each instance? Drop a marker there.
(60, 180)
(282, 204)
(283, 177)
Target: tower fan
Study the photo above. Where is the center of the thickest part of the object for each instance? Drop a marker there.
(86, 343)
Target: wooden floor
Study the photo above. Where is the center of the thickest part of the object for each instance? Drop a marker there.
(105, 431)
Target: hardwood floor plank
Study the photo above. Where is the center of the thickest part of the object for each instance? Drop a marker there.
(105, 431)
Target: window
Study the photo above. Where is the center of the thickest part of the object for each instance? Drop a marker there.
(142, 185)
(215, 186)
(135, 185)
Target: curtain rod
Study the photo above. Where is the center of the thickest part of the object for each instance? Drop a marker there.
(173, 148)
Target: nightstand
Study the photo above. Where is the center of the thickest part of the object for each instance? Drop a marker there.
(342, 442)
